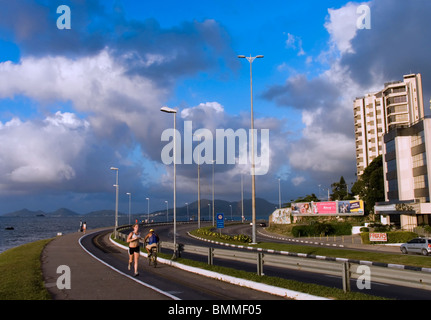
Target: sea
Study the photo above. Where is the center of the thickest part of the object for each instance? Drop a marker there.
(30, 229)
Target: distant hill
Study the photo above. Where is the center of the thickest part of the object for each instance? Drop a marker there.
(25, 213)
(63, 212)
(102, 213)
(263, 209)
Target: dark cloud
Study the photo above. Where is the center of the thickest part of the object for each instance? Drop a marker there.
(144, 47)
(397, 44)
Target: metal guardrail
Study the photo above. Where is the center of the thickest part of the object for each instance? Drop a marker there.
(344, 269)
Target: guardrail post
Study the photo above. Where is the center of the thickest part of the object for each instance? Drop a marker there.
(260, 264)
(346, 276)
(210, 256)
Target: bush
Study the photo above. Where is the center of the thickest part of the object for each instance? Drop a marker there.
(209, 233)
(316, 228)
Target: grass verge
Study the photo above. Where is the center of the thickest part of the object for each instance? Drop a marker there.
(20, 273)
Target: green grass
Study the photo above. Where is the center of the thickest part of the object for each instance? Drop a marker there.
(20, 273)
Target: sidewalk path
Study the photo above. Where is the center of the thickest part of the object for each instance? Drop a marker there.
(90, 279)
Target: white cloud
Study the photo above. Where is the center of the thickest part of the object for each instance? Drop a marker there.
(341, 25)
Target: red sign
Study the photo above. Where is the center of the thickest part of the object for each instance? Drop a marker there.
(378, 237)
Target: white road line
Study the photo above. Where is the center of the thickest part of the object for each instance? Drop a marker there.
(126, 275)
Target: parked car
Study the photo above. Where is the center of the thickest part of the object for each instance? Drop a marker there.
(417, 245)
(262, 224)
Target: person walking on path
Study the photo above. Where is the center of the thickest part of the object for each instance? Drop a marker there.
(133, 241)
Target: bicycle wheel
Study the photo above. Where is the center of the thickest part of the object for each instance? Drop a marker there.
(154, 257)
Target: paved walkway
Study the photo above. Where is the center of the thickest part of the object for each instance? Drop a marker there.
(90, 279)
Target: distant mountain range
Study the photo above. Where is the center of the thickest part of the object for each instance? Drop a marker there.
(263, 208)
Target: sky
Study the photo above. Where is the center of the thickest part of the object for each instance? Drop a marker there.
(76, 101)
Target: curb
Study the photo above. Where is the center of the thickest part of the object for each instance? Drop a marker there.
(286, 293)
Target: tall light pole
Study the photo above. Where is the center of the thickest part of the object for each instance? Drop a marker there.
(209, 211)
(199, 185)
(187, 204)
(231, 217)
(213, 161)
(253, 189)
(242, 200)
(279, 194)
(167, 205)
(148, 209)
(170, 110)
(130, 203)
(117, 187)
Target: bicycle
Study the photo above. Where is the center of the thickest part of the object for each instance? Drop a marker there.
(152, 259)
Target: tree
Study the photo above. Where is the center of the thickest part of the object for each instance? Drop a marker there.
(340, 190)
(370, 185)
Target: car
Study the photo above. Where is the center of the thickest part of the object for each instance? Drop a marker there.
(262, 224)
(417, 245)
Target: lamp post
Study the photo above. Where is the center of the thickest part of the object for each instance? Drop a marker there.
(199, 185)
(167, 205)
(213, 161)
(187, 204)
(242, 200)
(148, 209)
(279, 194)
(117, 187)
(209, 211)
(170, 110)
(253, 189)
(130, 203)
(231, 217)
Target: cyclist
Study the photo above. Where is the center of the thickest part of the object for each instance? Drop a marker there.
(153, 239)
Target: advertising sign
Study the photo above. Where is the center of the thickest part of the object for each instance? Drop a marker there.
(328, 208)
(378, 237)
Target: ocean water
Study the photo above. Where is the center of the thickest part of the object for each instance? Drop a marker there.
(31, 229)
(37, 228)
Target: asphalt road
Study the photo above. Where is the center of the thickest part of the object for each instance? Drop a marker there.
(175, 282)
(378, 289)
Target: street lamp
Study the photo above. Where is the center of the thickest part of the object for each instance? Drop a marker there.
(253, 189)
(231, 217)
(117, 187)
(213, 161)
(209, 211)
(148, 210)
(279, 194)
(199, 185)
(167, 205)
(170, 110)
(130, 203)
(187, 204)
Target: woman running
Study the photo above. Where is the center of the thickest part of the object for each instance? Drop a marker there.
(134, 249)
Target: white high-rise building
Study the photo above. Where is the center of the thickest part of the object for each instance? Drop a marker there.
(399, 104)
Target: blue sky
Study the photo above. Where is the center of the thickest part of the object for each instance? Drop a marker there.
(75, 102)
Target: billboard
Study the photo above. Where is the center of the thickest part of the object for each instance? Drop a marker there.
(346, 207)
